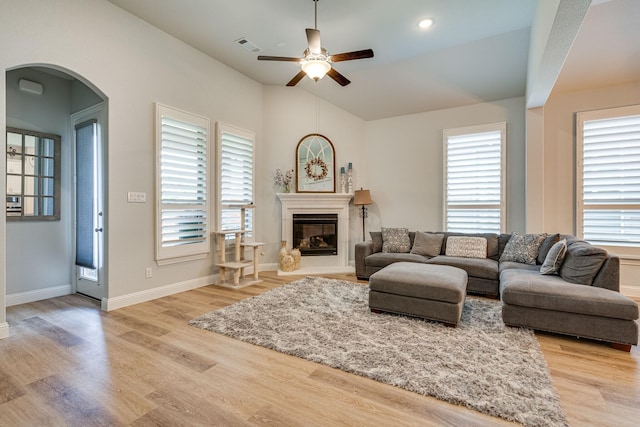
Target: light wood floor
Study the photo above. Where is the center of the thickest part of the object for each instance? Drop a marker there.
(68, 363)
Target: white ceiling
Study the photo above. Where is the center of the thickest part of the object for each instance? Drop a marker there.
(476, 51)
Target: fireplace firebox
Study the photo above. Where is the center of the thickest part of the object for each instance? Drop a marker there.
(316, 234)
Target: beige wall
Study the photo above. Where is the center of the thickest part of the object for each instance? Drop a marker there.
(134, 65)
(290, 114)
(558, 187)
(404, 158)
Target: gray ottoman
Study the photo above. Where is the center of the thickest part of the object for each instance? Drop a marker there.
(434, 292)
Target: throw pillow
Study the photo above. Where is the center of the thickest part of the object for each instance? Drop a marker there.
(555, 257)
(427, 244)
(546, 245)
(582, 263)
(523, 248)
(466, 247)
(395, 240)
(376, 237)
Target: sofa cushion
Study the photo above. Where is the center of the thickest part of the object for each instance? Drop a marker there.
(484, 268)
(427, 244)
(395, 240)
(382, 259)
(555, 257)
(512, 265)
(527, 288)
(546, 246)
(466, 247)
(523, 248)
(582, 263)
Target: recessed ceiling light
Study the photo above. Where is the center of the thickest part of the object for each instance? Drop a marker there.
(423, 24)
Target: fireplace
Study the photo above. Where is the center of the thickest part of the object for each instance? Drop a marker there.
(316, 234)
(320, 205)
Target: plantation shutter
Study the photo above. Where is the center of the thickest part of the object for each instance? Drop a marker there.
(183, 164)
(611, 180)
(236, 178)
(474, 189)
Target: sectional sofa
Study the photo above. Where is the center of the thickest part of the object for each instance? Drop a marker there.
(556, 283)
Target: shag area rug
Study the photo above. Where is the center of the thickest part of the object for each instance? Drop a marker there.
(481, 364)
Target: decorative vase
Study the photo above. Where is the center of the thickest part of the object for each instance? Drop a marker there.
(283, 251)
(295, 253)
(285, 188)
(287, 264)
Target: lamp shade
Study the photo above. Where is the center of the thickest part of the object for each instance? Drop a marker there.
(315, 68)
(362, 197)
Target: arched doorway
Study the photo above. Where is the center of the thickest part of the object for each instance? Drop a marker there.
(41, 253)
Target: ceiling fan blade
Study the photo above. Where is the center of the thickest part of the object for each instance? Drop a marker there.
(294, 81)
(342, 80)
(348, 56)
(313, 39)
(277, 58)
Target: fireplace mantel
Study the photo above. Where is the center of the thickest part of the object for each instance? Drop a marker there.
(323, 203)
(324, 198)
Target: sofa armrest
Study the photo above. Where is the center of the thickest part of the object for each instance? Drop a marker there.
(363, 250)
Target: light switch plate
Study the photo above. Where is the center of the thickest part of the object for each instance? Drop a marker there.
(136, 197)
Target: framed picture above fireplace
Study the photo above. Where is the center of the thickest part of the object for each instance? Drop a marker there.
(315, 165)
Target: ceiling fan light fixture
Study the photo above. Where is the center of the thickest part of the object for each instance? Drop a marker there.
(315, 68)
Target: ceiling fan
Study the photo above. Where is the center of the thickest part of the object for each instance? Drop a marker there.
(315, 61)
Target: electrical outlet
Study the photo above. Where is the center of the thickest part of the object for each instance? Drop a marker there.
(148, 273)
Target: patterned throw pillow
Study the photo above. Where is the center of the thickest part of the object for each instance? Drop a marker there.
(554, 258)
(395, 240)
(523, 248)
(466, 247)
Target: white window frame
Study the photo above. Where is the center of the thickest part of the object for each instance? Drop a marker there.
(631, 247)
(221, 129)
(472, 205)
(200, 247)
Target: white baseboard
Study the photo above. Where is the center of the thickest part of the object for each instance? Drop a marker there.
(4, 330)
(630, 291)
(268, 267)
(37, 295)
(163, 291)
(114, 303)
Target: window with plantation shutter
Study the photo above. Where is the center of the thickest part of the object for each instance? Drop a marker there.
(182, 210)
(474, 178)
(235, 178)
(608, 181)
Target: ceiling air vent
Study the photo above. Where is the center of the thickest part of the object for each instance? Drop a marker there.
(250, 46)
